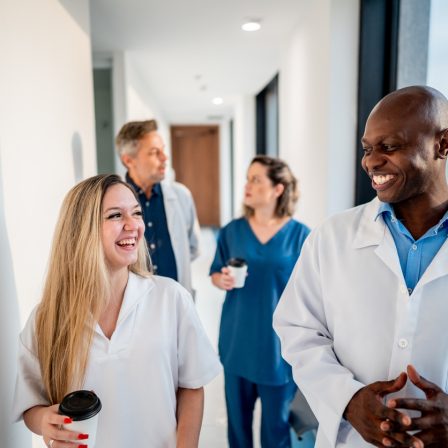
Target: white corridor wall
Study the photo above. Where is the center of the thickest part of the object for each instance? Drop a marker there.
(46, 145)
(318, 106)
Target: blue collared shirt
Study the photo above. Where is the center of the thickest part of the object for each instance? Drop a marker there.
(156, 230)
(415, 256)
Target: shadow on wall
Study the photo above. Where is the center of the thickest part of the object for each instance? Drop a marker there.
(78, 165)
(10, 434)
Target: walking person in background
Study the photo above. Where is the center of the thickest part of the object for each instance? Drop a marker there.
(269, 241)
(106, 324)
(169, 213)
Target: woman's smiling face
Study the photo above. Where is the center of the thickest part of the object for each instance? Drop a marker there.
(122, 227)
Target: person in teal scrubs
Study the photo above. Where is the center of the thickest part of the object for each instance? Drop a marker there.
(270, 241)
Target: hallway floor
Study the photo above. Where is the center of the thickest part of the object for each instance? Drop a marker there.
(208, 302)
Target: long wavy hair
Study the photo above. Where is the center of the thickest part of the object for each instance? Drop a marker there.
(77, 287)
(278, 172)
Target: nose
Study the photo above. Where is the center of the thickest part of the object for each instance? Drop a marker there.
(374, 160)
(130, 223)
(163, 156)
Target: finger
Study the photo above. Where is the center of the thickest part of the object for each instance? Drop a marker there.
(398, 421)
(427, 386)
(64, 444)
(426, 422)
(225, 270)
(57, 419)
(399, 438)
(53, 443)
(416, 404)
(65, 435)
(388, 387)
(435, 437)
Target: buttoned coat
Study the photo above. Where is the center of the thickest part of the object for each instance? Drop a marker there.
(346, 318)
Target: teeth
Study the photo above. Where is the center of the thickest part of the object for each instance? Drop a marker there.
(126, 242)
(381, 179)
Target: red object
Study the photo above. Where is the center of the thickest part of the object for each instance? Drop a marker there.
(68, 420)
(83, 436)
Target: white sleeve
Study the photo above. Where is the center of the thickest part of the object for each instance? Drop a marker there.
(307, 344)
(29, 390)
(198, 362)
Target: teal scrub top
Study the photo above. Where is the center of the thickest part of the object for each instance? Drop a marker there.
(248, 345)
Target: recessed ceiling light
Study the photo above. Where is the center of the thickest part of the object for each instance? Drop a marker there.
(251, 25)
(217, 100)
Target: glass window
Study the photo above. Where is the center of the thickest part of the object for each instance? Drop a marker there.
(437, 51)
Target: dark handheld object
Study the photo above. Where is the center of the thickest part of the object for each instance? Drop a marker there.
(80, 405)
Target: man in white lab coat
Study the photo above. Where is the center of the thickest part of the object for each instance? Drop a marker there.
(363, 319)
(169, 213)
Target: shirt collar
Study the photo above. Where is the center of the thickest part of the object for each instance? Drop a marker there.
(386, 208)
(156, 188)
(383, 209)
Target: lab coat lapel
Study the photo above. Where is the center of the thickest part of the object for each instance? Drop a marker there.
(169, 198)
(374, 232)
(437, 268)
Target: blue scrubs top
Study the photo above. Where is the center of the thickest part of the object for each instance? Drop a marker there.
(248, 345)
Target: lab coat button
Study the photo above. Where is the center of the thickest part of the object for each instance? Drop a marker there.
(414, 247)
(403, 343)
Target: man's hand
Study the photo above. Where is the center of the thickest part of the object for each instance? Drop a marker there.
(378, 424)
(433, 422)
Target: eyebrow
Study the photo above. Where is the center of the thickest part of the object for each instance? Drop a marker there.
(121, 208)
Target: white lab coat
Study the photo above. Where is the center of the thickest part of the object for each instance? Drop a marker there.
(346, 318)
(158, 345)
(183, 227)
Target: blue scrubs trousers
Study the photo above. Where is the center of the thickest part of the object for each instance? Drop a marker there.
(241, 395)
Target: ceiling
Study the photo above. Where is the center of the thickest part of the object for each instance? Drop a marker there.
(190, 51)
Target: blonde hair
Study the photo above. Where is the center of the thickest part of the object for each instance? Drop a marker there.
(77, 287)
(278, 172)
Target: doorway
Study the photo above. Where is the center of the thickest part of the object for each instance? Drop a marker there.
(195, 160)
(102, 84)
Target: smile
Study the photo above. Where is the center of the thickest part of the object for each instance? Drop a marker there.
(382, 181)
(127, 242)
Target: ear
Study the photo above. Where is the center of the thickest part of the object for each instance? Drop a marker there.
(442, 150)
(126, 160)
(279, 189)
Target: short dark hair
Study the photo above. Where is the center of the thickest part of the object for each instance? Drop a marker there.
(131, 133)
(278, 172)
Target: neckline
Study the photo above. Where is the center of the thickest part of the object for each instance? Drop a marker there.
(251, 230)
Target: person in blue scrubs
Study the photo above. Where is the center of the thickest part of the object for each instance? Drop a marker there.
(270, 241)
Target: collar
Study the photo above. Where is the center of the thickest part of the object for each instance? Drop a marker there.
(156, 189)
(370, 230)
(387, 208)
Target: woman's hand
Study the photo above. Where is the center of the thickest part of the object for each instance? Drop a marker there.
(224, 279)
(46, 421)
